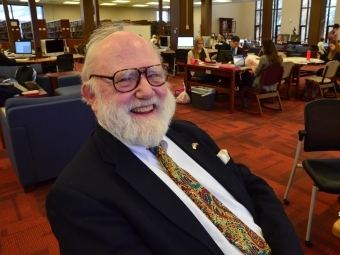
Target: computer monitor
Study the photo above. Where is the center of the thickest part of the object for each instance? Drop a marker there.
(52, 47)
(185, 42)
(23, 48)
(207, 41)
(225, 56)
(164, 42)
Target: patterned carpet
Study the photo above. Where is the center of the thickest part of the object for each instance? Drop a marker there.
(265, 143)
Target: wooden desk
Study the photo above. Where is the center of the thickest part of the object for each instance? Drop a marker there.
(223, 72)
(44, 60)
(166, 52)
(54, 78)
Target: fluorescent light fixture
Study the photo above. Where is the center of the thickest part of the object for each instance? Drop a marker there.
(140, 5)
(222, 1)
(120, 1)
(68, 2)
(108, 4)
(152, 3)
(27, 1)
(198, 3)
(166, 1)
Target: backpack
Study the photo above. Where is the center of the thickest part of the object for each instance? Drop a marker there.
(25, 73)
(311, 91)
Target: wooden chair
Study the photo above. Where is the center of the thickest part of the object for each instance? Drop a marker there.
(287, 78)
(328, 77)
(180, 59)
(271, 75)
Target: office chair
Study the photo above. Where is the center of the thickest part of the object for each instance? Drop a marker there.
(328, 77)
(180, 59)
(271, 75)
(321, 133)
(64, 63)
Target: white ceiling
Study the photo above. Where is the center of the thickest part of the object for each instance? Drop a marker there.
(166, 3)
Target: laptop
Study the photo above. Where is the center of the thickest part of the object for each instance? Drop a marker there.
(239, 61)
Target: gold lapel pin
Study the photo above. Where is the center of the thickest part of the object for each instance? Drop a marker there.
(194, 145)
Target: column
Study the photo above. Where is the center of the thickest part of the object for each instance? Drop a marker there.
(267, 19)
(9, 26)
(87, 19)
(316, 21)
(206, 16)
(181, 20)
(35, 28)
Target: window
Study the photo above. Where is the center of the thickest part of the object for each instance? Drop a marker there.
(20, 12)
(258, 20)
(304, 20)
(329, 18)
(276, 18)
(165, 16)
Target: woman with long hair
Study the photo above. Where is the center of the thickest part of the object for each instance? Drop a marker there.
(270, 56)
(200, 54)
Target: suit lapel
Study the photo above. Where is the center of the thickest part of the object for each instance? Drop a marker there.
(148, 185)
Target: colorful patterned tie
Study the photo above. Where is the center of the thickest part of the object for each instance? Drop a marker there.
(236, 232)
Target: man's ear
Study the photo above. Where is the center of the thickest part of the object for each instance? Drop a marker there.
(87, 93)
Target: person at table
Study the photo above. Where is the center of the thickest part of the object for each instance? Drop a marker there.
(270, 56)
(334, 54)
(322, 50)
(333, 34)
(5, 61)
(118, 195)
(233, 46)
(201, 55)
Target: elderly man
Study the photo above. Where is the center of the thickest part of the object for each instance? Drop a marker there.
(124, 192)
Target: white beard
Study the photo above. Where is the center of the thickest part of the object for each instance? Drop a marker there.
(132, 129)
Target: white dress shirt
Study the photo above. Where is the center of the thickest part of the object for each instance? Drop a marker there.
(207, 181)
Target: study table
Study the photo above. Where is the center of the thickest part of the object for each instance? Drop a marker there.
(214, 70)
(43, 60)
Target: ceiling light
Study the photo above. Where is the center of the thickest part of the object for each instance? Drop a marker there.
(152, 3)
(108, 4)
(166, 1)
(222, 1)
(120, 1)
(166, 6)
(197, 3)
(68, 2)
(140, 5)
(27, 1)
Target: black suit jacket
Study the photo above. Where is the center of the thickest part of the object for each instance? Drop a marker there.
(107, 201)
(226, 46)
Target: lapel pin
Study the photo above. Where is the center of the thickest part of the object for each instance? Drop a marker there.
(194, 145)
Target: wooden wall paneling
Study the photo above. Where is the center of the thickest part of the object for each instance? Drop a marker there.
(206, 16)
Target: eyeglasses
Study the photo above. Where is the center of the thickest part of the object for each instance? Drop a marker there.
(127, 80)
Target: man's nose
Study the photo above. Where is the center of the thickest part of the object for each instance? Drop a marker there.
(144, 89)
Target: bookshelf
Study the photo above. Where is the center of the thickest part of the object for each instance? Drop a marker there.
(27, 31)
(76, 29)
(227, 27)
(15, 30)
(58, 29)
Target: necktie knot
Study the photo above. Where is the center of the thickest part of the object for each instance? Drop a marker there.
(157, 150)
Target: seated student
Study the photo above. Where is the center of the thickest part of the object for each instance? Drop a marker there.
(233, 46)
(5, 61)
(201, 54)
(334, 54)
(123, 194)
(321, 46)
(270, 56)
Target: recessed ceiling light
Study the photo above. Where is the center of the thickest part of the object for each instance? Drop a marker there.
(108, 4)
(68, 2)
(197, 3)
(152, 3)
(166, 1)
(120, 1)
(222, 1)
(140, 5)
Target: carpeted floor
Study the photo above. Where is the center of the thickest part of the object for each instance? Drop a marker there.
(265, 143)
